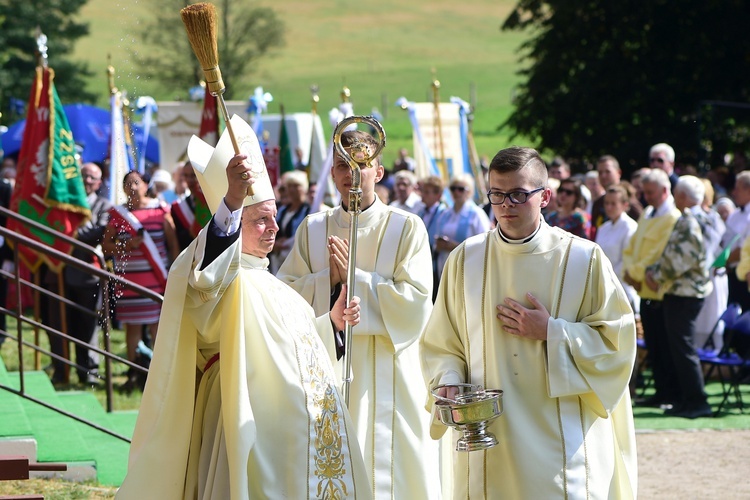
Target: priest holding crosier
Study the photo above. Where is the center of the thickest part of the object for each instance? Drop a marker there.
(241, 400)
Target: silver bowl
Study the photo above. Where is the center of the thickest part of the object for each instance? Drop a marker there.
(471, 412)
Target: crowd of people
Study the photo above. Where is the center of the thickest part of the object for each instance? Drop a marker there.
(536, 292)
(662, 233)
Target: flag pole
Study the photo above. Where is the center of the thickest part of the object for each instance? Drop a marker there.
(41, 56)
(313, 112)
(111, 75)
(127, 124)
(117, 152)
(345, 94)
(475, 164)
(41, 45)
(124, 109)
(284, 146)
(439, 125)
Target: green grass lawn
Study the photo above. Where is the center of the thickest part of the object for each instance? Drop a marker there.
(730, 417)
(381, 53)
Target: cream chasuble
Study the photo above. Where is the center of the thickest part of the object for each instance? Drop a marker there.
(394, 281)
(567, 427)
(265, 420)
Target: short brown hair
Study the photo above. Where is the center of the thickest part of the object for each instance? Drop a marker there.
(620, 191)
(515, 159)
(611, 159)
(432, 181)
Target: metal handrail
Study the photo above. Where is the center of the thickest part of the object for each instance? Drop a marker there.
(105, 279)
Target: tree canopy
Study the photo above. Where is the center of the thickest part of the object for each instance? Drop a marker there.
(603, 77)
(245, 34)
(58, 21)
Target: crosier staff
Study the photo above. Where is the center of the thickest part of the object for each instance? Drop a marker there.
(359, 153)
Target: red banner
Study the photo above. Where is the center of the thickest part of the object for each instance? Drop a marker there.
(49, 188)
(271, 158)
(209, 131)
(195, 218)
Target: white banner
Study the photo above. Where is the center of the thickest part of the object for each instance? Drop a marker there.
(442, 140)
(178, 121)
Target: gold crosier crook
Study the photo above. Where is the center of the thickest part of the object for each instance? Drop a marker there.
(362, 152)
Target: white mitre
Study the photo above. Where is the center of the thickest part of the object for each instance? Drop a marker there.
(210, 164)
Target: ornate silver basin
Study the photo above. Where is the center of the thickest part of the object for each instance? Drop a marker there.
(470, 412)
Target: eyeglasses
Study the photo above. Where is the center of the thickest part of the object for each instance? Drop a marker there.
(656, 160)
(516, 197)
(91, 177)
(460, 189)
(565, 191)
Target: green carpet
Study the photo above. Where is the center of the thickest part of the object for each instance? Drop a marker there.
(13, 421)
(110, 453)
(60, 439)
(123, 422)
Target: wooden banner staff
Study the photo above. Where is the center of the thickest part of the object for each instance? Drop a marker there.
(41, 45)
(475, 163)
(124, 107)
(313, 113)
(111, 75)
(439, 126)
(200, 24)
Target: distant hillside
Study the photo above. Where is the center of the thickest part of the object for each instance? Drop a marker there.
(381, 52)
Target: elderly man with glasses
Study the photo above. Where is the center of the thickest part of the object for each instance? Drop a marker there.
(539, 314)
(644, 249)
(661, 156)
(83, 288)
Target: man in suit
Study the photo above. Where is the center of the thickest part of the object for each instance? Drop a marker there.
(83, 288)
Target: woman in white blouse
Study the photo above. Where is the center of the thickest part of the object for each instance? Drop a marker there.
(613, 236)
